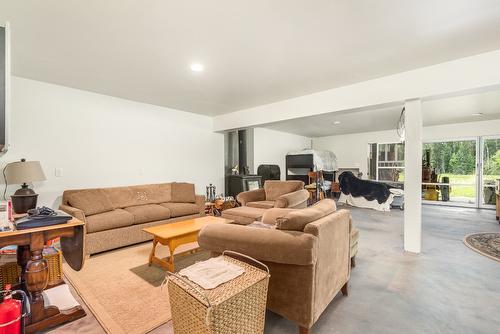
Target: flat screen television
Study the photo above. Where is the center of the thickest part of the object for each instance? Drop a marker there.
(4, 87)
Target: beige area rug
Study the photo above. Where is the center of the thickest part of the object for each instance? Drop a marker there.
(123, 292)
(487, 244)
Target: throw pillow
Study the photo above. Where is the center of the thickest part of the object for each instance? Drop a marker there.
(297, 220)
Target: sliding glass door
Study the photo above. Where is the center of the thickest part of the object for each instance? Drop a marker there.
(490, 170)
(449, 174)
(459, 172)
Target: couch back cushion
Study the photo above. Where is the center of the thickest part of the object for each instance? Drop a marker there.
(297, 220)
(275, 189)
(90, 201)
(182, 192)
(123, 197)
(151, 193)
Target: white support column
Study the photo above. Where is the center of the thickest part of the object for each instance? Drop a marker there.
(413, 176)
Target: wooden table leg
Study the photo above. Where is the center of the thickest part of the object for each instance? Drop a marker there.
(36, 276)
(23, 256)
(153, 251)
(171, 248)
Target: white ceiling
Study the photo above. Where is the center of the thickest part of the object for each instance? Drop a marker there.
(455, 109)
(254, 52)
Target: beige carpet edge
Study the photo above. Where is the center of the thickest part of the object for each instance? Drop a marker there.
(106, 321)
(477, 250)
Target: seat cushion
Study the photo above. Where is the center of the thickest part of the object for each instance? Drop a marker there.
(296, 220)
(354, 241)
(354, 235)
(90, 201)
(109, 220)
(243, 215)
(261, 204)
(181, 209)
(182, 192)
(148, 213)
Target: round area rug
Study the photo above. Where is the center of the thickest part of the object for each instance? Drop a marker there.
(487, 244)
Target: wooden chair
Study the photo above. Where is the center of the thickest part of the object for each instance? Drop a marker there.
(311, 187)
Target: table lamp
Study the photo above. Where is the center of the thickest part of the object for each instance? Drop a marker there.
(24, 172)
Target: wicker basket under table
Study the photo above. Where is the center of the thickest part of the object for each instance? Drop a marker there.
(11, 271)
(237, 306)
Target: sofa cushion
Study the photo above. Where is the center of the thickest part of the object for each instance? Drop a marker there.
(90, 201)
(182, 192)
(121, 197)
(271, 215)
(148, 213)
(275, 189)
(109, 220)
(354, 241)
(261, 204)
(243, 215)
(146, 194)
(296, 220)
(165, 192)
(181, 209)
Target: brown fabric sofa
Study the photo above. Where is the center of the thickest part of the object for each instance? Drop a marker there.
(276, 194)
(307, 252)
(115, 217)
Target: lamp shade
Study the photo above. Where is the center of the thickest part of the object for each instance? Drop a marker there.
(24, 172)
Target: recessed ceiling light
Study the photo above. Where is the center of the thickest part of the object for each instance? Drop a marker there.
(197, 67)
(477, 114)
(336, 123)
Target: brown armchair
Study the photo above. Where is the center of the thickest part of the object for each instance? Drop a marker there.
(276, 194)
(307, 255)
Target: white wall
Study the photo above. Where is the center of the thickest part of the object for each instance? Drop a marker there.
(352, 149)
(271, 147)
(102, 141)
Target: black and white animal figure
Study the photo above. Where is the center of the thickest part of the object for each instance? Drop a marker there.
(371, 190)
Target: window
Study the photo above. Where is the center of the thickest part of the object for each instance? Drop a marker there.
(390, 162)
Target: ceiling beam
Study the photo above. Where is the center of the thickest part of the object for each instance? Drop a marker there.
(462, 75)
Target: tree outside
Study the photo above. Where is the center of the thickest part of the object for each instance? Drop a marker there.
(457, 161)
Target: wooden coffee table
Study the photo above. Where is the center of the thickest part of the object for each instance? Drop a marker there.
(179, 233)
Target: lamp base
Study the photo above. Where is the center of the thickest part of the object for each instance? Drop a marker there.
(24, 199)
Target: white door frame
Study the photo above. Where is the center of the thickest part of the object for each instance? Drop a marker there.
(476, 199)
(481, 173)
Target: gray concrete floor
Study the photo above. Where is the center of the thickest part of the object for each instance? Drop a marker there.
(448, 288)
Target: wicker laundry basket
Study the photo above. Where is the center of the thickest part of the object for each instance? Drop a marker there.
(237, 306)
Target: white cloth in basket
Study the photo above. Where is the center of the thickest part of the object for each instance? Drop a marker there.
(211, 273)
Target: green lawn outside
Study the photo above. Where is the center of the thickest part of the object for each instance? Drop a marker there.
(465, 191)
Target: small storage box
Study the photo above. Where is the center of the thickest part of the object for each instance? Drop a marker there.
(237, 306)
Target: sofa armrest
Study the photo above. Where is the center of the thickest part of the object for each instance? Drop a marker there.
(285, 247)
(251, 196)
(333, 233)
(292, 200)
(200, 202)
(77, 213)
